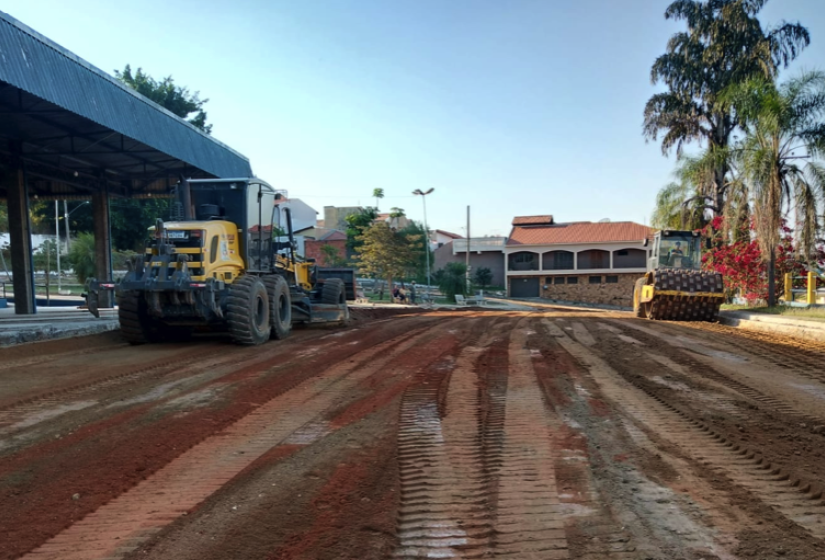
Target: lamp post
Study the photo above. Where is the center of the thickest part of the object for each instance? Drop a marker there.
(66, 215)
(423, 195)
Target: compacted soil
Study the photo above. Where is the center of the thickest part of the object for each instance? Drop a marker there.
(549, 434)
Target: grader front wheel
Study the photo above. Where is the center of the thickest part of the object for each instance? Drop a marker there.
(248, 311)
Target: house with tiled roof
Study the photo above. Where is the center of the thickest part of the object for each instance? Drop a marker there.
(586, 262)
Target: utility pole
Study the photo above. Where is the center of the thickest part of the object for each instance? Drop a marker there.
(57, 240)
(467, 256)
(66, 219)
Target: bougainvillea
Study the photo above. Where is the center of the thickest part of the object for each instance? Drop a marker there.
(743, 269)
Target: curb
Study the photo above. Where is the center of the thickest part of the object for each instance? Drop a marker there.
(25, 335)
(806, 330)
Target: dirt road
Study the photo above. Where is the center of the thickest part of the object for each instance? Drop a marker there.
(467, 434)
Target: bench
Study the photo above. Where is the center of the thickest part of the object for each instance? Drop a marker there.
(460, 301)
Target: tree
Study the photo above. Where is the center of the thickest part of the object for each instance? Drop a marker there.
(357, 224)
(377, 194)
(419, 249)
(4, 217)
(82, 257)
(331, 256)
(384, 253)
(724, 45)
(452, 280)
(483, 277)
(784, 140)
(165, 93)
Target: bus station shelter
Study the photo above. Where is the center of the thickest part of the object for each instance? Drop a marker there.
(71, 131)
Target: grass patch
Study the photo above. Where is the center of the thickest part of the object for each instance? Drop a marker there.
(810, 313)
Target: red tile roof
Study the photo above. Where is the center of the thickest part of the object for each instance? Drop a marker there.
(579, 232)
(532, 220)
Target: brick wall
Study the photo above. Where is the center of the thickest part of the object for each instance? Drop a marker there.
(619, 294)
(312, 249)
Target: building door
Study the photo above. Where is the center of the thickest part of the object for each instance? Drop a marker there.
(524, 287)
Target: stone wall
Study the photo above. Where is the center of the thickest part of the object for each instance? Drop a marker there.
(619, 294)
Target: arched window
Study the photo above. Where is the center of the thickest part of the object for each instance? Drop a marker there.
(629, 258)
(593, 259)
(523, 260)
(557, 260)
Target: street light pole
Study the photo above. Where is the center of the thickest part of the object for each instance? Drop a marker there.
(57, 241)
(423, 195)
(66, 215)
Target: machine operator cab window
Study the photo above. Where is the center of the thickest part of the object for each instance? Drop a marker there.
(682, 252)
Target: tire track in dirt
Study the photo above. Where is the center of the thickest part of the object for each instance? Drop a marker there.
(797, 500)
(709, 372)
(444, 502)
(478, 482)
(121, 525)
(802, 357)
(105, 458)
(529, 520)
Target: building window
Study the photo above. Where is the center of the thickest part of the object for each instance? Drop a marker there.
(595, 280)
(572, 279)
(594, 259)
(629, 258)
(611, 279)
(557, 260)
(558, 280)
(523, 260)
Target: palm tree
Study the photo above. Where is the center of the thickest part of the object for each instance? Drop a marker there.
(724, 44)
(377, 194)
(780, 157)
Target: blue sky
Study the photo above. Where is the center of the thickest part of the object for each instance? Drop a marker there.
(515, 107)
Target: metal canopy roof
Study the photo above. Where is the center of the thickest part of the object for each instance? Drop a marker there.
(77, 128)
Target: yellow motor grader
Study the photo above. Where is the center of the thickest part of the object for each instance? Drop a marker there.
(229, 263)
(674, 288)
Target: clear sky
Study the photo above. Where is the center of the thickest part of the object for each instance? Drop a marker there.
(515, 107)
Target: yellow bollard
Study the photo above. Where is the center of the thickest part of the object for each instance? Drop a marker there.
(788, 287)
(811, 288)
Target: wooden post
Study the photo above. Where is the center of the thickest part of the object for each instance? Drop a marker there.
(788, 288)
(811, 288)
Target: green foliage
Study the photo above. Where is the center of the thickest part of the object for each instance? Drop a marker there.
(357, 224)
(45, 257)
(174, 98)
(780, 157)
(483, 277)
(385, 253)
(418, 234)
(4, 217)
(377, 194)
(331, 256)
(724, 44)
(82, 257)
(121, 258)
(452, 280)
(131, 219)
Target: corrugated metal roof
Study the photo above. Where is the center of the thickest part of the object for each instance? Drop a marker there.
(37, 65)
(579, 232)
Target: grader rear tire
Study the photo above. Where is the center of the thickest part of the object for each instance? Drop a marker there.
(248, 311)
(135, 324)
(333, 292)
(280, 306)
